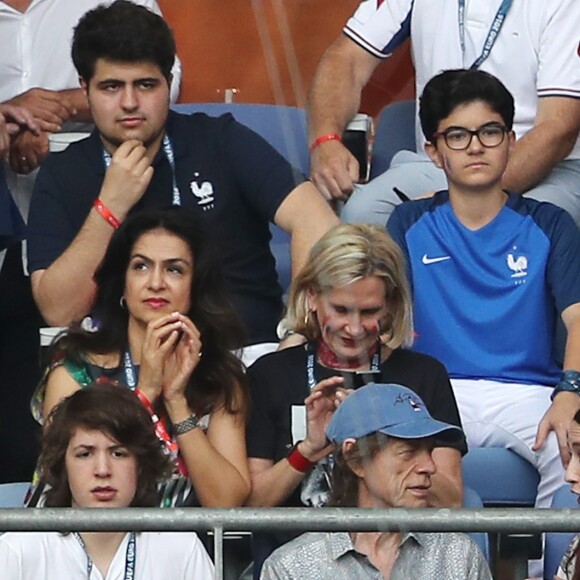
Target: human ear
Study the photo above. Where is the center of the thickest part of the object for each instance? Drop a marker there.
(311, 300)
(355, 466)
(434, 154)
(84, 86)
(511, 141)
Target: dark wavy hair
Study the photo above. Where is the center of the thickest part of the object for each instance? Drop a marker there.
(122, 32)
(117, 412)
(220, 374)
(454, 88)
(345, 482)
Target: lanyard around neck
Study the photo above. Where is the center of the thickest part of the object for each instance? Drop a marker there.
(130, 371)
(161, 431)
(492, 33)
(129, 556)
(311, 350)
(168, 150)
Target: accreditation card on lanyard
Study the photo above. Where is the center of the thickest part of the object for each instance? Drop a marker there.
(130, 555)
(168, 150)
(492, 33)
(298, 412)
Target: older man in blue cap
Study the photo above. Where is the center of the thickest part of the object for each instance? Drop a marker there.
(384, 438)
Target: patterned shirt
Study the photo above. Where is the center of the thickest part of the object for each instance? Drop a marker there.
(568, 563)
(332, 556)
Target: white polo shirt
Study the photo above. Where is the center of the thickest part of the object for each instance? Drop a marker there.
(536, 54)
(54, 556)
(35, 46)
(35, 51)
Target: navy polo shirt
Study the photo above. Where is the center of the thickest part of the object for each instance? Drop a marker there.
(231, 176)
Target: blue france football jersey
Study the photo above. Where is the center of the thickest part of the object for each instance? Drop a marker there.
(486, 301)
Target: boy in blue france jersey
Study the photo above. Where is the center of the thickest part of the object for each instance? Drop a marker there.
(491, 272)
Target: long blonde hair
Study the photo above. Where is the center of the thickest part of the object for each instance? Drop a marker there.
(345, 254)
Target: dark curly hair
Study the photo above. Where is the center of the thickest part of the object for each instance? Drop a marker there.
(122, 32)
(117, 412)
(219, 375)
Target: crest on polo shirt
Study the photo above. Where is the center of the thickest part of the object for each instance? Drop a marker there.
(518, 264)
(203, 191)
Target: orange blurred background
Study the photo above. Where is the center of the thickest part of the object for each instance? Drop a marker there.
(268, 50)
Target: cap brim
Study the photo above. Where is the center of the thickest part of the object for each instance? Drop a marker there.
(423, 427)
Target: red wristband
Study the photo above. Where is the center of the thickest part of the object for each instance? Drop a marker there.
(323, 139)
(106, 213)
(298, 461)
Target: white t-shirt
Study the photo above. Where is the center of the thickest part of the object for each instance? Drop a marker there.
(536, 54)
(54, 556)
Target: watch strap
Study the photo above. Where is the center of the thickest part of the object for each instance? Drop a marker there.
(186, 425)
(569, 383)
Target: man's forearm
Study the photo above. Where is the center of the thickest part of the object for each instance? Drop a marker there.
(64, 292)
(334, 96)
(306, 217)
(550, 141)
(572, 354)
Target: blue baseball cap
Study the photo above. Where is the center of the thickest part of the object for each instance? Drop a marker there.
(390, 409)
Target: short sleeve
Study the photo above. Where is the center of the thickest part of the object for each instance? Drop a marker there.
(50, 231)
(563, 268)
(261, 433)
(264, 176)
(559, 52)
(380, 27)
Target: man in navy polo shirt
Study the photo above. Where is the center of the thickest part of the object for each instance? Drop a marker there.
(490, 272)
(143, 155)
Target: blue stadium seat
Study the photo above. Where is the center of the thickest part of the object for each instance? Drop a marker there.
(394, 131)
(556, 544)
(500, 477)
(472, 500)
(504, 479)
(12, 495)
(285, 128)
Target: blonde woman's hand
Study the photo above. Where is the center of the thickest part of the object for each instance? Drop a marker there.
(325, 397)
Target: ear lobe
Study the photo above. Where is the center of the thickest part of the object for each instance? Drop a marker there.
(311, 297)
(433, 154)
(511, 140)
(354, 466)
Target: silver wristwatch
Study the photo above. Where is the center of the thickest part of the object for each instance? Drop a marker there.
(186, 425)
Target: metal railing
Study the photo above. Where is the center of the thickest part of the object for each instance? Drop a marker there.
(501, 520)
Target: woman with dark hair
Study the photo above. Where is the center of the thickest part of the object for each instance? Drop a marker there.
(164, 328)
(100, 450)
(569, 570)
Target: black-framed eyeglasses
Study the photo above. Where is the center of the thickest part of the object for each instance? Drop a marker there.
(459, 138)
